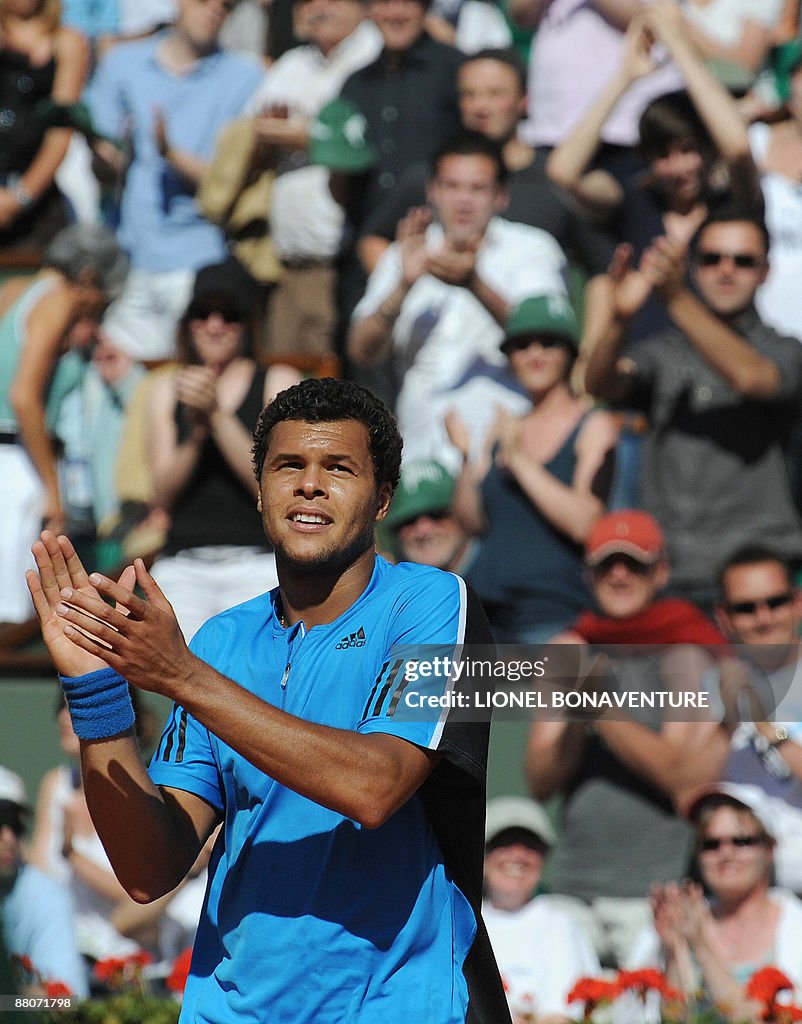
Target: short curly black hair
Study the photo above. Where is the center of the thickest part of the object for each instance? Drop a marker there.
(327, 400)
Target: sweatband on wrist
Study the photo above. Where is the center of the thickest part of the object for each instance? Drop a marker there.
(99, 703)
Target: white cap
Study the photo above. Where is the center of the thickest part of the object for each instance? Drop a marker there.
(518, 812)
(752, 797)
(12, 788)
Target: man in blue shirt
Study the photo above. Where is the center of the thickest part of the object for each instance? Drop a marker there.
(167, 96)
(347, 879)
(36, 915)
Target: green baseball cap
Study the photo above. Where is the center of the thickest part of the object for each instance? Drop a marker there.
(425, 487)
(543, 314)
(338, 139)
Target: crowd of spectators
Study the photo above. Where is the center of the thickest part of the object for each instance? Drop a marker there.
(561, 238)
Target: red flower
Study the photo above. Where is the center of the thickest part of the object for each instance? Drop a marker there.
(177, 979)
(27, 964)
(140, 959)
(592, 990)
(643, 981)
(116, 968)
(108, 968)
(55, 989)
(766, 983)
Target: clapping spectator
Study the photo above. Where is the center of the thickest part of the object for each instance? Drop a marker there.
(35, 911)
(83, 268)
(306, 224)
(618, 778)
(439, 296)
(540, 949)
(542, 478)
(715, 947)
(721, 390)
(167, 96)
(685, 140)
(200, 423)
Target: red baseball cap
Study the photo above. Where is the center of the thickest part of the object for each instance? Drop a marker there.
(629, 532)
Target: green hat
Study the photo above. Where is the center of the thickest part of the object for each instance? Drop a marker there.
(338, 139)
(543, 314)
(788, 59)
(425, 487)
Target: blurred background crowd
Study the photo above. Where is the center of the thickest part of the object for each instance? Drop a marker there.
(563, 240)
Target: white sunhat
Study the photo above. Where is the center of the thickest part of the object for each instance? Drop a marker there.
(505, 812)
(753, 798)
(12, 788)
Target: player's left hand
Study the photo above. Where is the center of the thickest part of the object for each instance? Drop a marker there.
(140, 639)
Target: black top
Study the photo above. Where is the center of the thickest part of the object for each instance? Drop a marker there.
(22, 86)
(410, 104)
(216, 507)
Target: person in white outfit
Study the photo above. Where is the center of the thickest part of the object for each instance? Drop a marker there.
(540, 949)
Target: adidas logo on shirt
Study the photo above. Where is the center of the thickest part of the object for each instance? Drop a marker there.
(352, 640)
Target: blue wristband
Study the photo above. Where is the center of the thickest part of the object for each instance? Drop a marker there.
(100, 704)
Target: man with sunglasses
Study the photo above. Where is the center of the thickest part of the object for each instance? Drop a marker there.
(618, 778)
(721, 391)
(760, 609)
(35, 911)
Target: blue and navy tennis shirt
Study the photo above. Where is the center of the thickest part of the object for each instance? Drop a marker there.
(310, 918)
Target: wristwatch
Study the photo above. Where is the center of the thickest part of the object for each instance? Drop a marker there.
(766, 747)
(781, 734)
(22, 196)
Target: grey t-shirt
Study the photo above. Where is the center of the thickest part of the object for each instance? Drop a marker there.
(713, 470)
(619, 832)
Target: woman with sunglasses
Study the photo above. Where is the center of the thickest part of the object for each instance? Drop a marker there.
(714, 947)
(543, 481)
(201, 419)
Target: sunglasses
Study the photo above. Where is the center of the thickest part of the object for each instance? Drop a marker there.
(438, 515)
(523, 341)
(750, 607)
(229, 316)
(632, 564)
(738, 842)
(742, 260)
(12, 820)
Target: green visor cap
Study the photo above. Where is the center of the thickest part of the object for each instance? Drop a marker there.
(543, 314)
(425, 488)
(338, 139)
